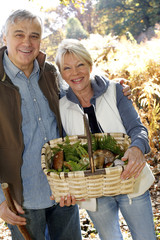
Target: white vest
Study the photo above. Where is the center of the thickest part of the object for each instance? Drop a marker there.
(108, 116)
(106, 111)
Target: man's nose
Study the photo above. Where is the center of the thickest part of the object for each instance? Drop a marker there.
(27, 40)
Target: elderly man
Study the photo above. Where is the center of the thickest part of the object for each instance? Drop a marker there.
(29, 118)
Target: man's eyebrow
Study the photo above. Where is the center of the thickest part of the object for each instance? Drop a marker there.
(16, 31)
(38, 34)
(21, 31)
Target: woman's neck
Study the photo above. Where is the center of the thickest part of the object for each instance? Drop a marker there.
(85, 97)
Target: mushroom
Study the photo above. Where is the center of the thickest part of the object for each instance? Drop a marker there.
(57, 161)
(102, 157)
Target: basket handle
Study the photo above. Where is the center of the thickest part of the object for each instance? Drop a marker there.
(89, 139)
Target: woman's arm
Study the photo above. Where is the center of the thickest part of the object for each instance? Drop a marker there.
(138, 133)
(132, 122)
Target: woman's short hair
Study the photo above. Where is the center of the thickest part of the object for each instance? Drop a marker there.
(20, 15)
(75, 47)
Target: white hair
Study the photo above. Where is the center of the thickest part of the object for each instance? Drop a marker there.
(75, 47)
(21, 15)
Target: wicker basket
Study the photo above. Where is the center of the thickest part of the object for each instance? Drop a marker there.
(85, 184)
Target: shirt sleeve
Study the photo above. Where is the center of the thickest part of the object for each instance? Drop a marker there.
(132, 122)
(2, 197)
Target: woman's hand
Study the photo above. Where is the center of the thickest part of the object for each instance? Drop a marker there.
(136, 162)
(8, 216)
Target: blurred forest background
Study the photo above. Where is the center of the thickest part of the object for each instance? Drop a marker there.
(123, 38)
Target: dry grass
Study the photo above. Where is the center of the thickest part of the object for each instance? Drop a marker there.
(139, 64)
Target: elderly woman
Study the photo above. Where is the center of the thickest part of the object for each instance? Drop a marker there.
(108, 111)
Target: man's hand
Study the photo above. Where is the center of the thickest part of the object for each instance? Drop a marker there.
(126, 89)
(67, 201)
(136, 162)
(8, 216)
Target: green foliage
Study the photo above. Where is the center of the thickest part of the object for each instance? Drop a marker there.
(76, 154)
(109, 143)
(127, 17)
(75, 30)
(77, 166)
(133, 16)
(70, 151)
(75, 2)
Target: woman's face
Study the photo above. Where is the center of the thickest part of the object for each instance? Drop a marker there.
(76, 73)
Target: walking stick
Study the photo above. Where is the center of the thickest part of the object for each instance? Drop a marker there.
(12, 207)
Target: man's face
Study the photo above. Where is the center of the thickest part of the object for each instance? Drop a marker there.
(23, 43)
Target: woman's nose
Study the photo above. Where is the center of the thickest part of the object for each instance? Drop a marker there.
(74, 71)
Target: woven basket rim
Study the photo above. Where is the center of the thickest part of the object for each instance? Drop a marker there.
(78, 137)
(75, 138)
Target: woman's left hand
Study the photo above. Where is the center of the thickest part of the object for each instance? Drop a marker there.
(136, 162)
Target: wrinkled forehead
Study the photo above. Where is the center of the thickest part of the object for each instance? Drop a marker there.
(25, 23)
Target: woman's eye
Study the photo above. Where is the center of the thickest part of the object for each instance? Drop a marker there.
(66, 68)
(80, 65)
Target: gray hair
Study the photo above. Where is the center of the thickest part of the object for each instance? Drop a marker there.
(21, 15)
(75, 47)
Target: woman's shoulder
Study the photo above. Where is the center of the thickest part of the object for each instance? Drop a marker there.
(63, 100)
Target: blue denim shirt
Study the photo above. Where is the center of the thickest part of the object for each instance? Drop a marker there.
(38, 126)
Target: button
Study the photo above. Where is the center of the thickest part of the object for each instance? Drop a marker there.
(34, 99)
(45, 138)
(39, 118)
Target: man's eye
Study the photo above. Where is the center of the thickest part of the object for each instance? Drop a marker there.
(34, 36)
(19, 35)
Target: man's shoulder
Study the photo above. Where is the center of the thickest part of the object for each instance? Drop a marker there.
(50, 67)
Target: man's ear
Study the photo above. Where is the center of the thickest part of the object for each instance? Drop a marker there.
(4, 40)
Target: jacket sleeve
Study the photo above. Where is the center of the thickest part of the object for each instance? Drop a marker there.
(132, 122)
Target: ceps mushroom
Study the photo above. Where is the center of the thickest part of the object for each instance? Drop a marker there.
(102, 158)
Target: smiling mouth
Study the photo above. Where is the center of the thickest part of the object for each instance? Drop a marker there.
(77, 80)
(25, 51)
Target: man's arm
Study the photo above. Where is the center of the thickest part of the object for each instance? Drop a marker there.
(126, 88)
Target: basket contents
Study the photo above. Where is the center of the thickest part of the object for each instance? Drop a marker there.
(66, 165)
(74, 157)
